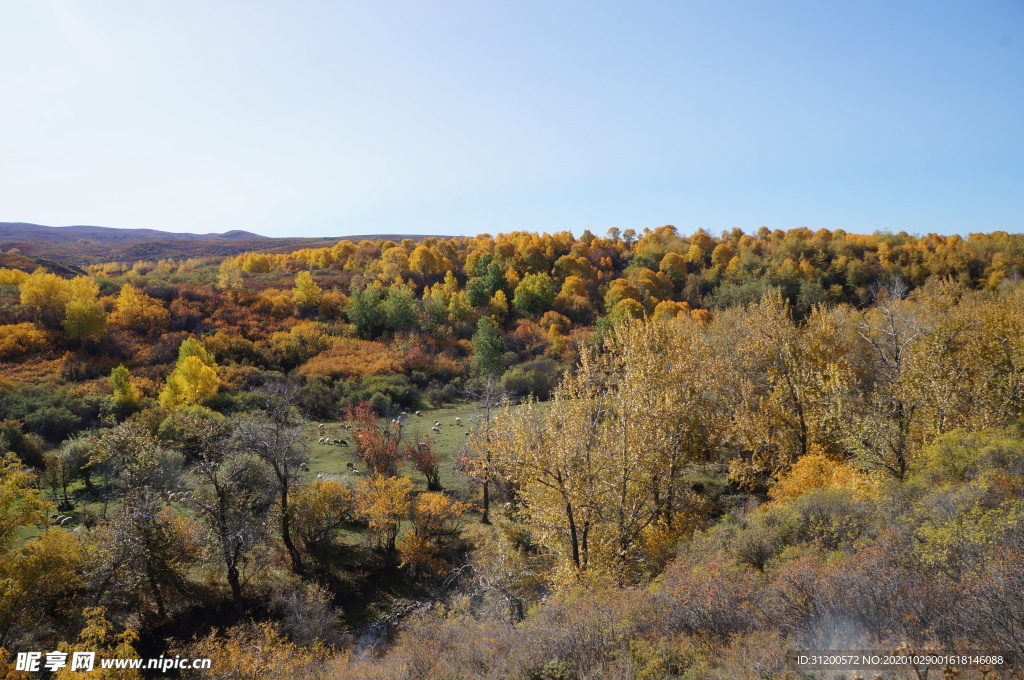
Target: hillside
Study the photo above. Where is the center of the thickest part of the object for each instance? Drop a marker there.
(641, 455)
(84, 245)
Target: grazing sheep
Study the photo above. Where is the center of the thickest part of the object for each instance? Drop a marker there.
(304, 467)
(337, 442)
(422, 445)
(458, 421)
(320, 427)
(344, 443)
(54, 516)
(356, 472)
(349, 465)
(435, 428)
(417, 412)
(320, 476)
(65, 521)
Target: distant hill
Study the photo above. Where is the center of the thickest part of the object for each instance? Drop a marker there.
(23, 231)
(81, 245)
(30, 263)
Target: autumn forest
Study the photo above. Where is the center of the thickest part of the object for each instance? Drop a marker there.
(643, 455)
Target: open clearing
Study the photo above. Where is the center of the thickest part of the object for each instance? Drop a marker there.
(331, 460)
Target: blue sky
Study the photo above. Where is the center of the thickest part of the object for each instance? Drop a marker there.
(332, 118)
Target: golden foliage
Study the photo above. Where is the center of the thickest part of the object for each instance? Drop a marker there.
(384, 502)
(22, 338)
(21, 502)
(319, 510)
(10, 277)
(353, 358)
(96, 637)
(46, 293)
(306, 294)
(194, 378)
(817, 471)
(138, 312)
(256, 651)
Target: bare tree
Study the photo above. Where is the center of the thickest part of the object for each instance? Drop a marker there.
(234, 495)
(275, 435)
(490, 396)
(884, 424)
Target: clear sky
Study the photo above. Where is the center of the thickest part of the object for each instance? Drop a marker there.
(331, 118)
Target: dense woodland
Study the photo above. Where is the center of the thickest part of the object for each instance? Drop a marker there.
(686, 455)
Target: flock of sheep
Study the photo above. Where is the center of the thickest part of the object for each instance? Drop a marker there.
(61, 520)
(325, 437)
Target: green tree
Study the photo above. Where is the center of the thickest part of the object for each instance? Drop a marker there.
(366, 312)
(535, 294)
(488, 348)
(400, 311)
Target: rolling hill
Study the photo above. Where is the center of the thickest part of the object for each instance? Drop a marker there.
(81, 245)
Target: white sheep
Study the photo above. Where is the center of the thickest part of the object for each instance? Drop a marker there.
(458, 421)
(435, 428)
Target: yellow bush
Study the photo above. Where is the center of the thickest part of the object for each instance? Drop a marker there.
(21, 338)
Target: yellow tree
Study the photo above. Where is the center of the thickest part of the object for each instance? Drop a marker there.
(138, 312)
(41, 583)
(319, 511)
(21, 503)
(967, 371)
(47, 294)
(384, 502)
(786, 383)
(194, 379)
(84, 320)
(306, 294)
(97, 638)
(123, 389)
(548, 451)
(662, 415)
(437, 524)
(229, 274)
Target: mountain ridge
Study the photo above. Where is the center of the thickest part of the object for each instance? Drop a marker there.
(27, 231)
(82, 245)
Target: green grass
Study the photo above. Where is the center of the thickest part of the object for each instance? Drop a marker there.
(331, 460)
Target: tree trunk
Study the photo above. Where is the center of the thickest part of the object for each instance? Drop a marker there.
(234, 580)
(486, 516)
(573, 538)
(286, 534)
